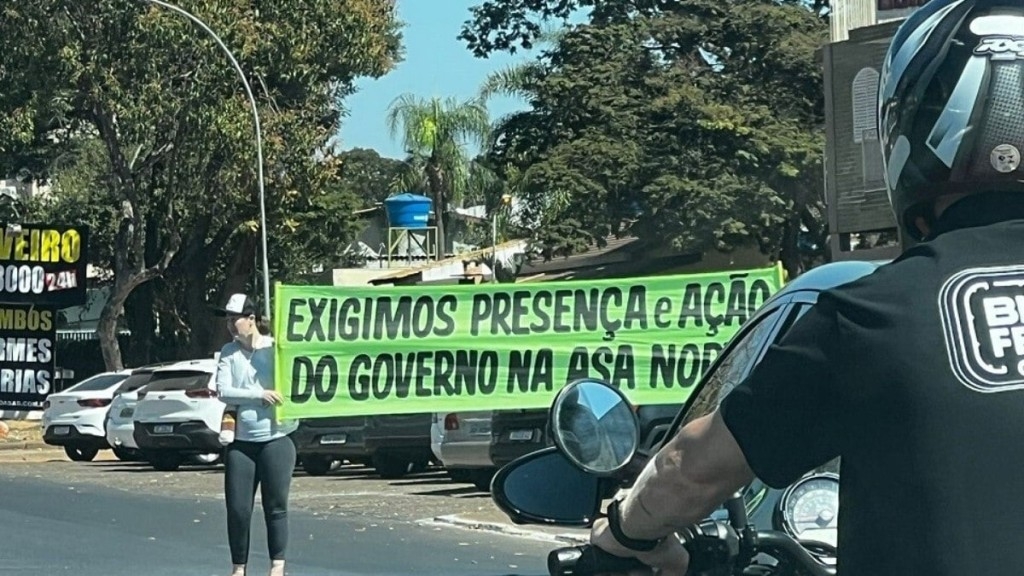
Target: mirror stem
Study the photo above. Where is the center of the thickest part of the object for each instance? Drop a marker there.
(739, 521)
(631, 471)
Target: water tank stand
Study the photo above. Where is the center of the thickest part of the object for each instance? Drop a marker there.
(398, 236)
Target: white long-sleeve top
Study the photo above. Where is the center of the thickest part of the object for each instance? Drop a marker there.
(242, 377)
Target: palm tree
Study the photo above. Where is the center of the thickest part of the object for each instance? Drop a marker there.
(518, 80)
(435, 132)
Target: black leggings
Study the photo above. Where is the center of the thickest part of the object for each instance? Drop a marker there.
(268, 465)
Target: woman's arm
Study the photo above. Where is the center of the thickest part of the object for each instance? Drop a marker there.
(231, 392)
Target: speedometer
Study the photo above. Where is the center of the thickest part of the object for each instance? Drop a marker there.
(811, 507)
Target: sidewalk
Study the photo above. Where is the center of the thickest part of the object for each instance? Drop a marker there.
(22, 441)
(494, 520)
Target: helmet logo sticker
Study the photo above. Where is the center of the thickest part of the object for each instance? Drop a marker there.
(1005, 158)
(1001, 47)
(982, 311)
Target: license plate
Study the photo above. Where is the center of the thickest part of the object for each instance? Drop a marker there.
(333, 439)
(163, 428)
(481, 430)
(520, 435)
(61, 430)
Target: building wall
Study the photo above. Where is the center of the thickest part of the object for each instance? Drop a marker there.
(855, 191)
(849, 15)
(22, 190)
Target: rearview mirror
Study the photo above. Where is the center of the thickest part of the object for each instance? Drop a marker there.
(545, 488)
(593, 424)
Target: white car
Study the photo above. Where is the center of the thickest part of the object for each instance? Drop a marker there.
(120, 427)
(464, 446)
(437, 434)
(178, 415)
(73, 418)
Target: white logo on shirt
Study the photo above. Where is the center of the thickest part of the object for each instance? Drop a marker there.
(983, 319)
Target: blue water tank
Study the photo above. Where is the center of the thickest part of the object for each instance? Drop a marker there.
(408, 211)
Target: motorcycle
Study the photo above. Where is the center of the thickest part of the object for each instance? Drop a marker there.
(759, 531)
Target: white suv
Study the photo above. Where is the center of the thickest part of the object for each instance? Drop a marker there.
(73, 418)
(179, 415)
(119, 427)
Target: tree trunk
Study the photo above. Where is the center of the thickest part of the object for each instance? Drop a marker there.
(140, 306)
(200, 318)
(790, 252)
(208, 332)
(140, 316)
(241, 268)
(130, 266)
(436, 181)
(107, 329)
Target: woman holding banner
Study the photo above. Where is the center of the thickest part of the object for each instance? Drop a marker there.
(262, 452)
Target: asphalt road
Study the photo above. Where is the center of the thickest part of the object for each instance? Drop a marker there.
(54, 525)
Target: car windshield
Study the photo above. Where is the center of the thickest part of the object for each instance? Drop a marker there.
(97, 383)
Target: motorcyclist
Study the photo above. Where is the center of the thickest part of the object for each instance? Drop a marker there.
(913, 375)
(580, 431)
(579, 428)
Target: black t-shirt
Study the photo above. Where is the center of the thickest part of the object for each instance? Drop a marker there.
(914, 376)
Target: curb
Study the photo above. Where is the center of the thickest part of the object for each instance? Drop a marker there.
(21, 414)
(505, 529)
(9, 446)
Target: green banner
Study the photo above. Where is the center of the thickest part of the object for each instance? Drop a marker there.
(350, 351)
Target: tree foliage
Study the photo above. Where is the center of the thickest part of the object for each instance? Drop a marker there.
(369, 176)
(507, 25)
(695, 123)
(174, 186)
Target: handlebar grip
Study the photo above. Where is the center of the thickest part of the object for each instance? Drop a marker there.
(586, 560)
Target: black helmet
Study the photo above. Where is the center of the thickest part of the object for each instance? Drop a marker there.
(951, 104)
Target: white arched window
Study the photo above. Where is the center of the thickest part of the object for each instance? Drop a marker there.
(865, 127)
(865, 101)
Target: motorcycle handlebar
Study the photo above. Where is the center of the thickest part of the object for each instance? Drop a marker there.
(587, 560)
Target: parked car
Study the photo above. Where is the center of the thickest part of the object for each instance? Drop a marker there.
(436, 434)
(74, 417)
(463, 446)
(178, 415)
(119, 426)
(515, 433)
(398, 443)
(320, 442)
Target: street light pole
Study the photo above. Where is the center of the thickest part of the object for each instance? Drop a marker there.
(259, 143)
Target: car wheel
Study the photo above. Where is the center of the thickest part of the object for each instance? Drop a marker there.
(482, 479)
(391, 467)
(317, 465)
(165, 461)
(418, 466)
(80, 453)
(461, 476)
(126, 454)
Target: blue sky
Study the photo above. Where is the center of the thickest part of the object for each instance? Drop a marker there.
(436, 64)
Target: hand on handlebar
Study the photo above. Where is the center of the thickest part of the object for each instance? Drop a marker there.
(670, 558)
